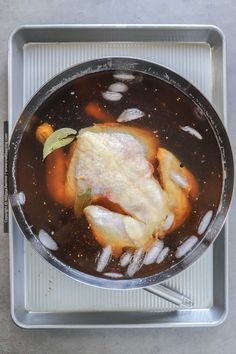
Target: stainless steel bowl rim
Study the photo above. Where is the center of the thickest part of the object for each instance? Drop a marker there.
(170, 77)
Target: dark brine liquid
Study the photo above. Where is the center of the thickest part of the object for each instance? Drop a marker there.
(166, 111)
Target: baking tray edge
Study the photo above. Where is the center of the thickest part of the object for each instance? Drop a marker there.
(224, 310)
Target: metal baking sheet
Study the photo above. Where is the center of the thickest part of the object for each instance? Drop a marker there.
(41, 296)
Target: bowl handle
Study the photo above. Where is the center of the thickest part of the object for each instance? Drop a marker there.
(170, 295)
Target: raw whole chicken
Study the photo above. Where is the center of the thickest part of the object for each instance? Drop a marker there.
(108, 175)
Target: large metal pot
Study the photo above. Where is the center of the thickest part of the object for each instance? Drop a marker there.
(187, 89)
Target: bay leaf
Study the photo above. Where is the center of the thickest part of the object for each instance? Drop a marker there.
(58, 139)
(82, 200)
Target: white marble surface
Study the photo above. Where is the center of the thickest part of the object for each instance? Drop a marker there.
(218, 340)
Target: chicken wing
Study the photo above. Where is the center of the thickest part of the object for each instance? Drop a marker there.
(179, 184)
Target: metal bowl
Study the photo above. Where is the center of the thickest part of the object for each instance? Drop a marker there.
(170, 77)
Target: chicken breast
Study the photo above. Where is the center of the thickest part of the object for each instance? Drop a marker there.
(117, 230)
(114, 165)
(146, 139)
